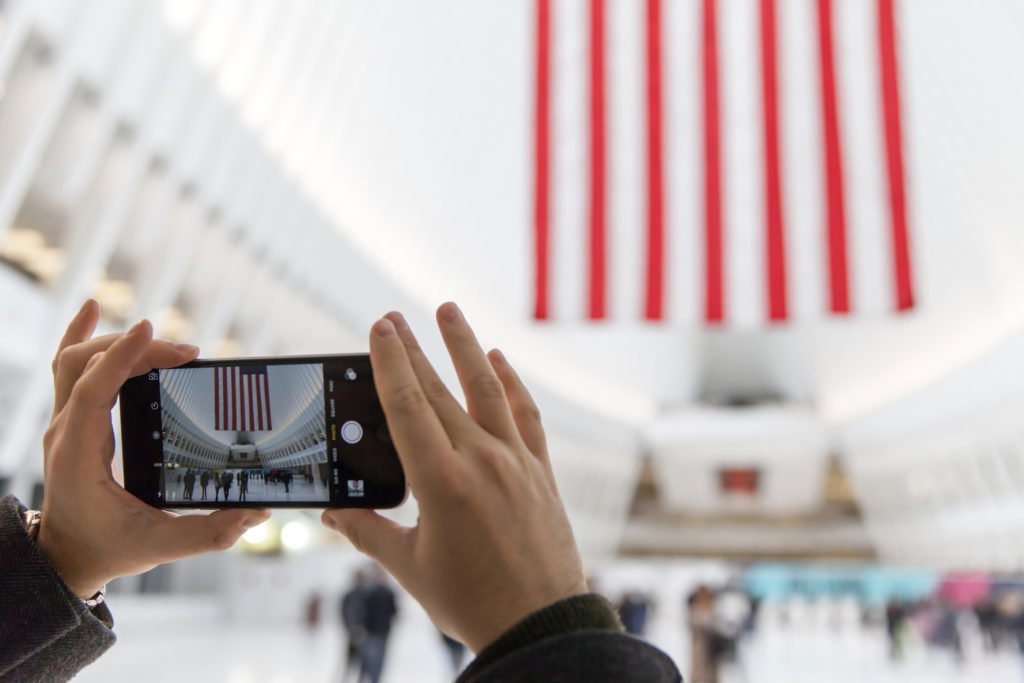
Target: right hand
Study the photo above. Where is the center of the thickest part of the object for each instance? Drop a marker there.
(493, 543)
(92, 530)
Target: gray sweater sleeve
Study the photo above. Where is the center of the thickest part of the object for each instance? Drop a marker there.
(46, 632)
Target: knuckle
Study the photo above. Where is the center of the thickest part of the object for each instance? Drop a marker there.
(63, 359)
(222, 541)
(50, 435)
(457, 492)
(530, 411)
(435, 390)
(409, 400)
(354, 536)
(93, 361)
(486, 386)
(82, 393)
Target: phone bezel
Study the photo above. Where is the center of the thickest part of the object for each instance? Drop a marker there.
(141, 462)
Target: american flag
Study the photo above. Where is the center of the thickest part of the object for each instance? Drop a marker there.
(241, 399)
(719, 161)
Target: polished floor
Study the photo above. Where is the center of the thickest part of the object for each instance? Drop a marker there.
(210, 647)
(299, 490)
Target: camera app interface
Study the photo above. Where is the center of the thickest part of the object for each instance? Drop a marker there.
(244, 433)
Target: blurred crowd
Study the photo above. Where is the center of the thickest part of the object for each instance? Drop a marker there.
(960, 616)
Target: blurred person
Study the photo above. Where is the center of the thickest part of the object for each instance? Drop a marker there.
(353, 611)
(946, 630)
(632, 609)
(204, 481)
(988, 618)
(379, 612)
(312, 615)
(217, 485)
(706, 643)
(225, 481)
(54, 565)
(190, 483)
(492, 558)
(895, 620)
(243, 485)
(1009, 629)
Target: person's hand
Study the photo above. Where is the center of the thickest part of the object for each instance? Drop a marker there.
(91, 529)
(493, 543)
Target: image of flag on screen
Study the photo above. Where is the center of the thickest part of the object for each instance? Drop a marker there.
(241, 399)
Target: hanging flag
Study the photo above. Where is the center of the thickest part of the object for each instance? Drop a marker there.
(241, 399)
(718, 161)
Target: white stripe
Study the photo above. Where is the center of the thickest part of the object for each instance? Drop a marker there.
(743, 163)
(228, 395)
(626, 111)
(865, 177)
(802, 164)
(245, 425)
(569, 159)
(683, 143)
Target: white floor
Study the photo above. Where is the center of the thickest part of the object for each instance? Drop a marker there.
(260, 491)
(166, 639)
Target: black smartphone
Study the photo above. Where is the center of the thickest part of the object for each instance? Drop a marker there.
(275, 432)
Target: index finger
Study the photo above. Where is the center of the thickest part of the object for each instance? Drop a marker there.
(100, 383)
(414, 426)
(72, 361)
(79, 329)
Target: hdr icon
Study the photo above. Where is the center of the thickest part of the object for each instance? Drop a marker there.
(356, 488)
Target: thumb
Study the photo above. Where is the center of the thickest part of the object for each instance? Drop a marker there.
(186, 535)
(385, 541)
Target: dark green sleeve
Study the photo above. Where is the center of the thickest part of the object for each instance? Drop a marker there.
(577, 639)
(46, 632)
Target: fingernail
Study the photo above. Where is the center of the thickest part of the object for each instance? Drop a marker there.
(451, 313)
(186, 348)
(384, 328)
(250, 522)
(329, 522)
(137, 327)
(398, 320)
(498, 356)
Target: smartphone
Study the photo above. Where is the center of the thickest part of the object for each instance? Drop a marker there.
(275, 432)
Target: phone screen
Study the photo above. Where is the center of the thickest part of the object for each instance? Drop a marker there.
(259, 432)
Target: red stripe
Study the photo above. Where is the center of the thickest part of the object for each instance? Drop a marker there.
(713, 305)
(839, 296)
(252, 418)
(894, 153)
(542, 187)
(216, 398)
(234, 401)
(775, 252)
(655, 295)
(266, 397)
(596, 284)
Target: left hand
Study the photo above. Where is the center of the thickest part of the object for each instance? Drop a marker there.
(92, 530)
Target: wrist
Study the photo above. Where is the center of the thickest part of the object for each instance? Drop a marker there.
(77, 580)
